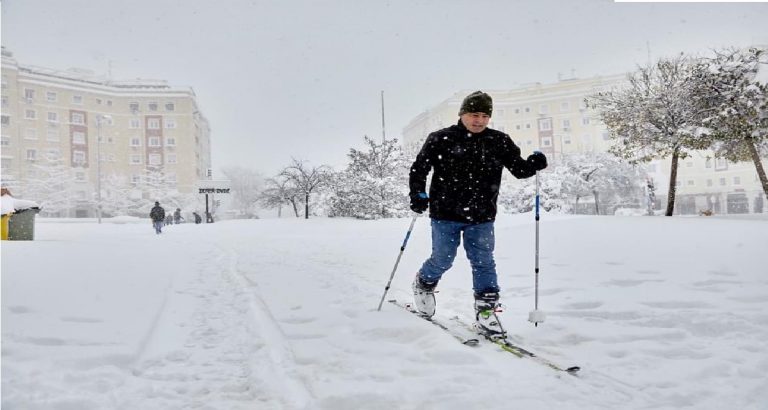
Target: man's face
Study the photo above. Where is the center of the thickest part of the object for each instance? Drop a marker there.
(475, 122)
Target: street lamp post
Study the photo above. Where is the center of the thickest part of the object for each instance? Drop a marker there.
(99, 119)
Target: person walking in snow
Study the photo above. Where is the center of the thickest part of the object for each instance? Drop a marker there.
(158, 217)
(177, 218)
(466, 161)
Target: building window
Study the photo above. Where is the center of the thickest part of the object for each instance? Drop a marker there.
(155, 159)
(153, 124)
(109, 103)
(111, 158)
(53, 116)
(78, 137)
(170, 158)
(134, 107)
(4, 100)
(517, 111)
(135, 159)
(30, 114)
(585, 121)
(170, 141)
(153, 141)
(171, 177)
(152, 106)
(78, 118)
(546, 142)
(527, 109)
(135, 179)
(566, 123)
(170, 123)
(51, 96)
(31, 155)
(5, 141)
(52, 135)
(722, 181)
(567, 140)
(80, 176)
(134, 123)
(721, 164)
(78, 157)
(708, 163)
(29, 94)
(736, 180)
(518, 126)
(545, 124)
(5, 120)
(30, 134)
(528, 126)
(565, 106)
(170, 106)
(135, 141)
(691, 182)
(77, 99)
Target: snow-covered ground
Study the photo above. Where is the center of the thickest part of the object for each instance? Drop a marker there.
(280, 314)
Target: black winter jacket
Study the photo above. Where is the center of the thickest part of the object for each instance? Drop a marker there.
(467, 172)
(157, 214)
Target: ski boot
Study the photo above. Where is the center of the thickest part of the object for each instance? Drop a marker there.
(486, 318)
(424, 296)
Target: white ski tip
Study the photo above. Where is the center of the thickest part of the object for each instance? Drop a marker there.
(536, 316)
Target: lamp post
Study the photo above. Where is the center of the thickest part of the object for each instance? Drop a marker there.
(99, 119)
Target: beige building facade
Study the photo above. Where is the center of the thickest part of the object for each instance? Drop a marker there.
(102, 130)
(554, 119)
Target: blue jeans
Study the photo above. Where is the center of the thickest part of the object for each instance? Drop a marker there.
(479, 242)
(158, 226)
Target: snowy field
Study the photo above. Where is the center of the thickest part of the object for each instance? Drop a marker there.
(661, 313)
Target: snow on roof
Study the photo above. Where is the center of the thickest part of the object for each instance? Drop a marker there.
(10, 204)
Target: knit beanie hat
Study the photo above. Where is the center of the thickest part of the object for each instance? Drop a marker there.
(478, 101)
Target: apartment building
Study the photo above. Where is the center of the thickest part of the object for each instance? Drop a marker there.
(554, 119)
(103, 130)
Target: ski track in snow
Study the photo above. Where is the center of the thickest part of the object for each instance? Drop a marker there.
(281, 315)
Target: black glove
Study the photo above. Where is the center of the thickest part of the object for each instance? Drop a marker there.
(419, 202)
(537, 160)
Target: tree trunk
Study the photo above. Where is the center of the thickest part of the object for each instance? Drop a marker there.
(758, 165)
(672, 183)
(597, 202)
(295, 208)
(306, 206)
(279, 211)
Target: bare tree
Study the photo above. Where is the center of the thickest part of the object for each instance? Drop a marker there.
(306, 179)
(277, 192)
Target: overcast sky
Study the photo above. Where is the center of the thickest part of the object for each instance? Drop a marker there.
(278, 79)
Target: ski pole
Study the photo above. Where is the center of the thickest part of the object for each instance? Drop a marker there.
(397, 262)
(536, 316)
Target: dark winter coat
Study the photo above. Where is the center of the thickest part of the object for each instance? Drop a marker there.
(467, 172)
(157, 214)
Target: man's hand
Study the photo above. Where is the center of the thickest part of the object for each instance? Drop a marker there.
(419, 202)
(537, 160)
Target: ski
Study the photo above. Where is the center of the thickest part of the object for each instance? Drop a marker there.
(453, 332)
(508, 346)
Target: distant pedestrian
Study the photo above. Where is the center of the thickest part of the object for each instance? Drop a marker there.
(168, 219)
(157, 214)
(177, 218)
(198, 218)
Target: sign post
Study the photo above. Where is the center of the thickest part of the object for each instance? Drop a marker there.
(210, 187)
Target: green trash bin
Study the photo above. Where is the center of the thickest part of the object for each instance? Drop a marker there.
(21, 225)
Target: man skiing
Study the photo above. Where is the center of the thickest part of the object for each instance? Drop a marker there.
(467, 160)
(158, 217)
